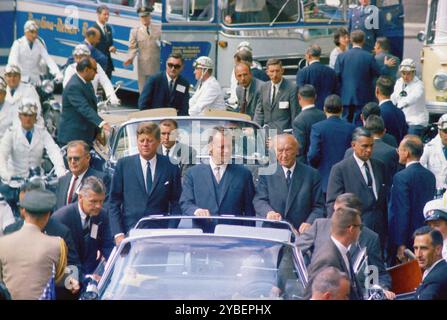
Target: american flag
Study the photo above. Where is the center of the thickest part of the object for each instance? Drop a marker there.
(49, 293)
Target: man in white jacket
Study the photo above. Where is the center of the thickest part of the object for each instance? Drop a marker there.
(81, 51)
(28, 51)
(409, 96)
(208, 94)
(434, 157)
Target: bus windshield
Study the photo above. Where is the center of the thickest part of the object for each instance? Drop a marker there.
(437, 23)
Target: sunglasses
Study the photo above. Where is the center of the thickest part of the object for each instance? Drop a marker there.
(75, 159)
(175, 66)
(443, 130)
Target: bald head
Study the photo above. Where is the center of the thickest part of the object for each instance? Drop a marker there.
(93, 36)
(286, 149)
(243, 75)
(410, 149)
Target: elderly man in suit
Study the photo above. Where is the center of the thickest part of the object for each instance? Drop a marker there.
(144, 42)
(365, 177)
(143, 184)
(220, 187)
(412, 188)
(79, 118)
(316, 236)
(293, 192)
(329, 139)
(356, 70)
(331, 284)
(322, 77)
(167, 89)
(393, 117)
(346, 225)
(428, 251)
(78, 158)
(105, 44)
(277, 105)
(381, 150)
(89, 224)
(179, 153)
(304, 121)
(247, 91)
(28, 256)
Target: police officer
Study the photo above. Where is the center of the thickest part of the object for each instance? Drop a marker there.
(435, 214)
(28, 51)
(144, 42)
(28, 257)
(82, 51)
(5, 109)
(361, 18)
(208, 93)
(16, 91)
(22, 146)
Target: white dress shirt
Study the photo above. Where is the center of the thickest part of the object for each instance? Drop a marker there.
(101, 26)
(222, 169)
(292, 169)
(277, 85)
(363, 171)
(344, 253)
(171, 149)
(83, 216)
(310, 106)
(77, 185)
(153, 163)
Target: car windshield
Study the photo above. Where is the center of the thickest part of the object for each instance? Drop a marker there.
(203, 267)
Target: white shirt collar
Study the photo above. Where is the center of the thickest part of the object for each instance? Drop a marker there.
(171, 149)
(426, 272)
(292, 169)
(340, 246)
(213, 166)
(410, 163)
(308, 107)
(313, 61)
(356, 46)
(360, 161)
(82, 214)
(83, 80)
(277, 85)
(100, 25)
(169, 78)
(152, 162)
(383, 101)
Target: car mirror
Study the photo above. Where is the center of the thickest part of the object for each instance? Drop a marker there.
(421, 36)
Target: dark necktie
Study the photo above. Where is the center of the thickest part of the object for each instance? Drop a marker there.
(445, 152)
(274, 94)
(353, 277)
(86, 226)
(70, 193)
(368, 175)
(30, 45)
(148, 178)
(167, 152)
(148, 30)
(288, 178)
(12, 92)
(244, 102)
(171, 86)
(29, 136)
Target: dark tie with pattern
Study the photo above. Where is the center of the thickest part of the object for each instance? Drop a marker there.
(368, 175)
(86, 226)
(288, 178)
(244, 102)
(148, 178)
(70, 193)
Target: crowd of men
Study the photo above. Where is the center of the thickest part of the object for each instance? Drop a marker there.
(339, 180)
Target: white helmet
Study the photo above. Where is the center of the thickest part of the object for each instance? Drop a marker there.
(30, 25)
(81, 50)
(244, 45)
(28, 106)
(203, 62)
(407, 65)
(12, 69)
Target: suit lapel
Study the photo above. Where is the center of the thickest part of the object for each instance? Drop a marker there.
(226, 180)
(139, 172)
(294, 188)
(77, 224)
(159, 173)
(208, 178)
(358, 173)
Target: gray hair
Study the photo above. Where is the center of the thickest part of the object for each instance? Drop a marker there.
(94, 184)
(328, 280)
(361, 132)
(314, 50)
(76, 143)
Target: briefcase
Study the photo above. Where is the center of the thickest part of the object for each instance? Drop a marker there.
(405, 277)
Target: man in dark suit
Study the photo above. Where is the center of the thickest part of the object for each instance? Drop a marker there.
(247, 91)
(92, 38)
(427, 248)
(393, 117)
(78, 158)
(308, 116)
(381, 150)
(79, 118)
(346, 225)
(329, 139)
(372, 108)
(412, 188)
(179, 154)
(293, 192)
(245, 55)
(356, 70)
(143, 184)
(167, 89)
(277, 105)
(331, 284)
(382, 51)
(317, 235)
(219, 187)
(322, 77)
(89, 224)
(366, 178)
(105, 44)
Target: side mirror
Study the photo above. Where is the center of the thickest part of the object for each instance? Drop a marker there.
(421, 36)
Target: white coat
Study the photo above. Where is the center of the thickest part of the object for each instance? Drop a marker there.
(6, 216)
(208, 96)
(6, 117)
(17, 156)
(434, 160)
(29, 60)
(24, 90)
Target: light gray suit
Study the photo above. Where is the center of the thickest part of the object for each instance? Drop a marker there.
(279, 114)
(27, 257)
(252, 96)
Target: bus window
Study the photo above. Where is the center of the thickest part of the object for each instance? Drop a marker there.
(437, 23)
(135, 3)
(192, 10)
(323, 11)
(259, 11)
(387, 3)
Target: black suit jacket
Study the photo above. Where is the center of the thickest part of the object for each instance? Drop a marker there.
(79, 118)
(86, 246)
(302, 126)
(156, 94)
(63, 185)
(105, 43)
(252, 96)
(330, 256)
(346, 177)
(434, 286)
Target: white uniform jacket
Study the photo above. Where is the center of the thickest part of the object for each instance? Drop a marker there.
(434, 160)
(208, 96)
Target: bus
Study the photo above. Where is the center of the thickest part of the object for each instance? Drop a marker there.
(214, 28)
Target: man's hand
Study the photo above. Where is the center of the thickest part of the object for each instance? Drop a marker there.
(107, 128)
(389, 295)
(74, 285)
(202, 213)
(389, 62)
(112, 49)
(303, 227)
(119, 239)
(127, 62)
(401, 254)
(272, 215)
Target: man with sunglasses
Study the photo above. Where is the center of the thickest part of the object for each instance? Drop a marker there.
(167, 88)
(434, 157)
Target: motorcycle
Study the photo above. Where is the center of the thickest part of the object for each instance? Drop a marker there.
(51, 108)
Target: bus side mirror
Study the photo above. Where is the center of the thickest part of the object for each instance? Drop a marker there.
(421, 36)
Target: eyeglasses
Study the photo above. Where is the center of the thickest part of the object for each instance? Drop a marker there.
(75, 159)
(175, 66)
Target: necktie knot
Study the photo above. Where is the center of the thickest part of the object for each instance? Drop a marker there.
(217, 173)
(368, 174)
(30, 43)
(167, 152)
(288, 177)
(29, 136)
(171, 85)
(13, 91)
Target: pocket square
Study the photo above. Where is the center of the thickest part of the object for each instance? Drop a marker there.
(166, 183)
